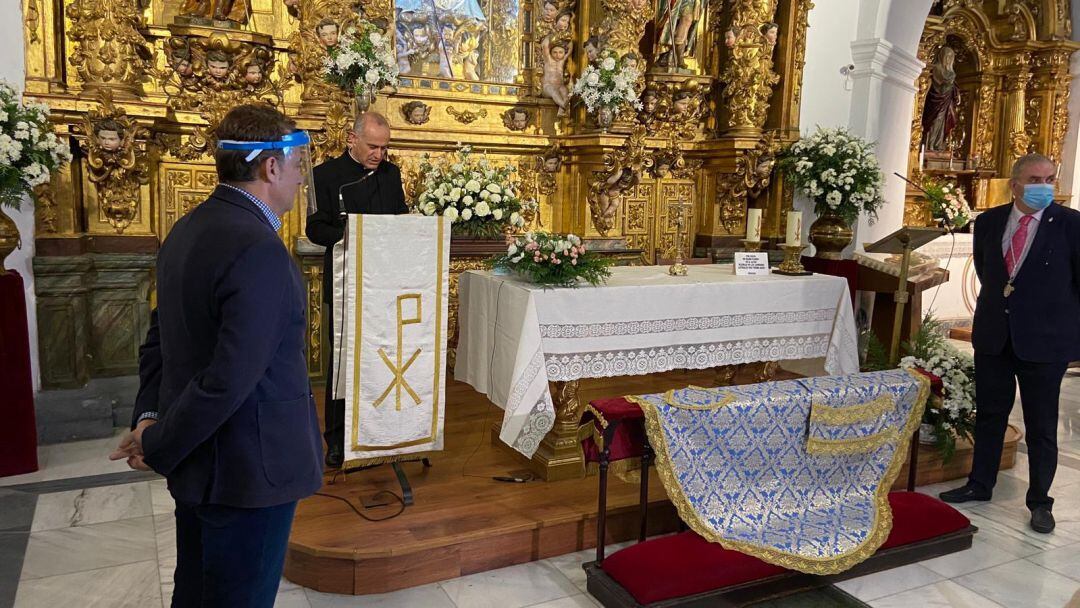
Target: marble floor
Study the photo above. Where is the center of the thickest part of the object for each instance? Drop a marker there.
(82, 531)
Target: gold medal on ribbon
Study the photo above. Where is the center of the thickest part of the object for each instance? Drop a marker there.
(1009, 289)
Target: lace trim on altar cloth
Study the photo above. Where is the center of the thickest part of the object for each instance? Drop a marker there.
(659, 326)
(541, 418)
(539, 421)
(639, 362)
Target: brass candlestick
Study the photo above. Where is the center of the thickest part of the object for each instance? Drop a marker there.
(792, 264)
(678, 269)
(749, 245)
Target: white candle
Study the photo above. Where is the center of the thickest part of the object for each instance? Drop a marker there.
(922, 157)
(794, 228)
(753, 224)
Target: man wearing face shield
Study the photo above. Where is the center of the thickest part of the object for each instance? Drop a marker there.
(1027, 329)
(361, 180)
(224, 409)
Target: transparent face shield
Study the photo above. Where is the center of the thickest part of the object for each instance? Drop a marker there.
(296, 147)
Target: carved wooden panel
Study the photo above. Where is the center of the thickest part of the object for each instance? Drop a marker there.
(183, 186)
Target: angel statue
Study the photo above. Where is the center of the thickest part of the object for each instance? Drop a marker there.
(676, 26)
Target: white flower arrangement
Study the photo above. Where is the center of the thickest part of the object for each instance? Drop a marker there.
(836, 170)
(30, 150)
(479, 198)
(947, 202)
(362, 61)
(952, 412)
(608, 83)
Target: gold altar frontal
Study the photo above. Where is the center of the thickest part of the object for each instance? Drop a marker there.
(462, 520)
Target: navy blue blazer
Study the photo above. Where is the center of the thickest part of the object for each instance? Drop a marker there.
(224, 363)
(1042, 316)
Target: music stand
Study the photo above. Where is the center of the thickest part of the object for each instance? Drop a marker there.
(903, 241)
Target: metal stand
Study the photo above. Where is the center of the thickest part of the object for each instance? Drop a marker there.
(792, 264)
(402, 479)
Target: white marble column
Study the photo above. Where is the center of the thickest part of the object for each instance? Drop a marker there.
(881, 110)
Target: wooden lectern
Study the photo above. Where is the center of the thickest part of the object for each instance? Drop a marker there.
(903, 242)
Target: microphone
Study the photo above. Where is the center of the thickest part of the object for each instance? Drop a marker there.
(341, 198)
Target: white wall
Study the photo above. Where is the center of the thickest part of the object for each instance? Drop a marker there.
(12, 69)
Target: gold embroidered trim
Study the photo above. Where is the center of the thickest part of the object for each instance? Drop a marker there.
(870, 411)
(830, 565)
(856, 445)
(669, 398)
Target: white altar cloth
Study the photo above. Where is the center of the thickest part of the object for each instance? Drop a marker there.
(514, 337)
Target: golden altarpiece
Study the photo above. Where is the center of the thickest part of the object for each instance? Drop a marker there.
(995, 87)
(138, 85)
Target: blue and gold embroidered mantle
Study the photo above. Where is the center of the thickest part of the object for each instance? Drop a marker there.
(795, 473)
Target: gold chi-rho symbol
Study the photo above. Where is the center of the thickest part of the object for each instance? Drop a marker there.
(399, 369)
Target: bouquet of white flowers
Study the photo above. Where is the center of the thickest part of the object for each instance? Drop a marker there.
(607, 86)
(836, 170)
(362, 61)
(29, 148)
(478, 197)
(553, 259)
(947, 202)
(951, 411)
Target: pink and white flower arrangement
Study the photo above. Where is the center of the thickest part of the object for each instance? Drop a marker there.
(553, 259)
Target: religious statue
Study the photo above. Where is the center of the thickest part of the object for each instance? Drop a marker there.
(327, 31)
(109, 135)
(939, 116)
(233, 11)
(770, 31)
(553, 83)
(115, 165)
(623, 170)
(516, 118)
(217, 66)
(416, 112)
(676, 27)
(443, 33)
(592, 49)
(610, 196)
(731, 37)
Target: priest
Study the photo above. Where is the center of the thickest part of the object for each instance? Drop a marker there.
(361, 180)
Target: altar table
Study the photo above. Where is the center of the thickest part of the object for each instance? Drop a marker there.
(516, 337)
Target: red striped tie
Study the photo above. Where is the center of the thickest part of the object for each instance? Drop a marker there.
(1016, 246)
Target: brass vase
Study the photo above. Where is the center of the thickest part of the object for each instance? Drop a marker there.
(9, 237)
(830, 234)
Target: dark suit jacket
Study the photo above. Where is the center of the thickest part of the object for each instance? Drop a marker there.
(1042, 316)
(381, 194)
(224, 363)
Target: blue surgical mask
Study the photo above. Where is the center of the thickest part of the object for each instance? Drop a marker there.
(1038, 196)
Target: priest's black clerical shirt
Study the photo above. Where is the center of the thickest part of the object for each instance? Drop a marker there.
(379, 194)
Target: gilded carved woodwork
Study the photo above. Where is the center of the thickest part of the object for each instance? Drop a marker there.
(321, 22)
(748, 74)
(107, 49)
(116, 161)
(623, 170)
(1012, 69)
(753, 174)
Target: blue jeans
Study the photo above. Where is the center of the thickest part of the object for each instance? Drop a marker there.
(228, 556)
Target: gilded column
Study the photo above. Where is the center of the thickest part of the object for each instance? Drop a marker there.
(1016, 136)
(749, 73)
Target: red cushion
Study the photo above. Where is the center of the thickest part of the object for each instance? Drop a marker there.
(919, 517)
(685, 564)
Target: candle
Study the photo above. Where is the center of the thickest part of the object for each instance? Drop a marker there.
(753, 224)
(922, 157)
(794, 228)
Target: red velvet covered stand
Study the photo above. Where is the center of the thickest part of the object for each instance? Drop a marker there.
(686, 570)
(18, 431)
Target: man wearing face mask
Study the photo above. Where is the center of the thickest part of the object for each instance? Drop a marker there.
(1027, 329)
(361, 180)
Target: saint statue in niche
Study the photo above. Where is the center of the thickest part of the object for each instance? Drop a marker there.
(442, 36)
(676, 27)
(942, 103)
